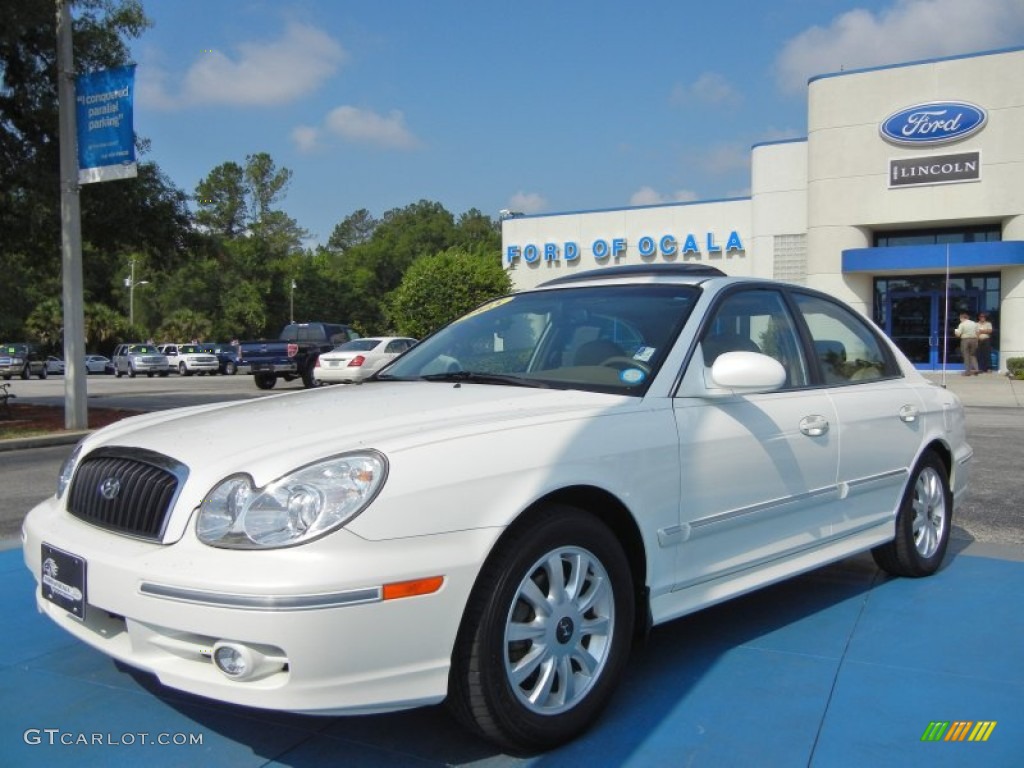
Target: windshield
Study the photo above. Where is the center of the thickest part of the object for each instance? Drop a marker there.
(602, 338)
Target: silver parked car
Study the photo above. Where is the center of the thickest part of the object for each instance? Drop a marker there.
(133, 359)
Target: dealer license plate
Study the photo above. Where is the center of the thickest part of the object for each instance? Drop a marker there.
(63, 580)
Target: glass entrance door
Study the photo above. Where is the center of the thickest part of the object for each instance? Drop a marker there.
(918, 323)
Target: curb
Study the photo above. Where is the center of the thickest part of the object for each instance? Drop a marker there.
(42, 441)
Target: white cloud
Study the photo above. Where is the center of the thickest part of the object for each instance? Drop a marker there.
(365, 126)
(527, 202)
(257, 74)
(907, 31)
(650, 196)
(709, 88)
(306, 137)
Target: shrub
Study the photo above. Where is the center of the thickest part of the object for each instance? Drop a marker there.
(1015, 366)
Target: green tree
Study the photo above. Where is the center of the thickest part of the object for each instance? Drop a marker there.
(220, 198)
(438, 288)
(185, 324)
(46, 323)
(354, 229)
(146, 213)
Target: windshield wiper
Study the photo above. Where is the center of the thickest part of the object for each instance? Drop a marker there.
(476, 377)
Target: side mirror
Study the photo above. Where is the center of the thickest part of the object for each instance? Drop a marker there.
(745, 373)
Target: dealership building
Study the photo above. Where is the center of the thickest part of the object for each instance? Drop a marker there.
(906, 199)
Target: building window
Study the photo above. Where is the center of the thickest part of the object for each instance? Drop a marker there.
(790, 259)
(989, 233)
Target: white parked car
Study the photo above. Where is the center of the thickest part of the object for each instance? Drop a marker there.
(187, 359)
(510, 504)
(96, 364)
(54, 365)
(359, 359)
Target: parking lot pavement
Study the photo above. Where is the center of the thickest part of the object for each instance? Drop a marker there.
(842, 666)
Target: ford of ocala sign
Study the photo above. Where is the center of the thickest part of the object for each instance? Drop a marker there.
(939, 122)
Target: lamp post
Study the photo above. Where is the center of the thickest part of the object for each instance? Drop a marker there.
(291, 304)
(129, 283)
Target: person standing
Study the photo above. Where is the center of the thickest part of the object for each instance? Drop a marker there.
(984, 343)
(967, 332)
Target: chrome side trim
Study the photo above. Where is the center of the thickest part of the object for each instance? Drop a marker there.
(765, 508)
(263, 602)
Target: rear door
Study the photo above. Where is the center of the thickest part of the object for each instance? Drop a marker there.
(878, 426)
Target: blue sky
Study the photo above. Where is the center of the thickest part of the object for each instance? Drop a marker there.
(531, 106)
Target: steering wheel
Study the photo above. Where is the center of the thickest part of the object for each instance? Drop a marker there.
(621, 363)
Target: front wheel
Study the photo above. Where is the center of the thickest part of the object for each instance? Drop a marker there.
(230, 369)
(43, 373)
(922, 524)
(265, 380)
(546, 633)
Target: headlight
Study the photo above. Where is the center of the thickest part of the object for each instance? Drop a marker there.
(296, 508)
(67, 470)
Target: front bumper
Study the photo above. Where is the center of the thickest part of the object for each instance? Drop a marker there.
(316, 608)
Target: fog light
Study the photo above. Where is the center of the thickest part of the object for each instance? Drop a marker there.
(232, 660)
(242, 662)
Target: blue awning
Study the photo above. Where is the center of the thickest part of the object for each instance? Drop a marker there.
(933, 257)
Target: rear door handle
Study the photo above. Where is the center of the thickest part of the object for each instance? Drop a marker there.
(814, 426)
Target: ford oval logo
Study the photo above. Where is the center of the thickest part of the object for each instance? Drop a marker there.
(939, 122)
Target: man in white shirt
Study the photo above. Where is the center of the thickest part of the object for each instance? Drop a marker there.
(967, 332)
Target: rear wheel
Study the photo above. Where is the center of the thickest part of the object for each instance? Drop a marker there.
(42, 372)
(25, 373)
(183, 370)
(546, 633)
(230, 369)
(265, 380)
(131, 372)
(922, 524)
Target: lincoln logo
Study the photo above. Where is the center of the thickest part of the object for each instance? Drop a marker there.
(109, 488)
(936, 123)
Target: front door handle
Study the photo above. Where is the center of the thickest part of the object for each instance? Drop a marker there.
(814, 426)
(908, 414)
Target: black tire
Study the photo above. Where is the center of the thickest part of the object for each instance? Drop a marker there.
(923, 522)
(308, 377)
(117, 372)
(131, 372)
(183, 370)
(25, 373)
(42, 372)
(481, 692)
(265, 380)
(230, 369)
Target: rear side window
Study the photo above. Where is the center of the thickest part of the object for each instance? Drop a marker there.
(846, 349)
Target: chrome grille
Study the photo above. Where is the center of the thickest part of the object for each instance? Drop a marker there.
(126, 490)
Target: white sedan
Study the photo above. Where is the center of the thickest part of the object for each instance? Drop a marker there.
(512, 503)
(96, 364)
(359, 359)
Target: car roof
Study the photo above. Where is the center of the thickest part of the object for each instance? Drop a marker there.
(692, 271)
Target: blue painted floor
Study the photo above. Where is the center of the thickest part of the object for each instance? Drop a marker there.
(841, 667)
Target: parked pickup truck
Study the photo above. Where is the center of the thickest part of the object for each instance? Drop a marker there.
(294, 354)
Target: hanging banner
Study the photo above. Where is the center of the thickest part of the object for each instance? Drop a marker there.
(106, 135)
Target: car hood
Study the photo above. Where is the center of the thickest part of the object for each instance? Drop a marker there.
(266, 436)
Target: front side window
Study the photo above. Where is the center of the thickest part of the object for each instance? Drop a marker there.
(756, 320)
(846, 349)
(600, 338)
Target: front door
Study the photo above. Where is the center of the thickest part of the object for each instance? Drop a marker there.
(920, 322)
